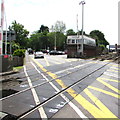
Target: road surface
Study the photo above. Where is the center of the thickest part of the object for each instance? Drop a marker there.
(58, 87)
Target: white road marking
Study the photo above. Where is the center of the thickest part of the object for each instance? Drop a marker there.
(72, 68)
(111, 74)
(75, 108)
(35, 96)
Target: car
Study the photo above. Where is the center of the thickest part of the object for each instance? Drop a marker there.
(30, 51)
(54, 52)
(38, 55)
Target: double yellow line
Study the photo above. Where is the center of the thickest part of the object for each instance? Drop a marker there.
(99, 110)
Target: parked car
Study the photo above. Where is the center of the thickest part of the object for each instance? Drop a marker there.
(30, 51)
(53, 52)
(38, 55)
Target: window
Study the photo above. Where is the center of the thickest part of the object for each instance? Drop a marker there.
(69, 40)
(79, 47)
(73, 41)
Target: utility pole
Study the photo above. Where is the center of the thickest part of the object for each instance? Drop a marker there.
(77, 35)
(55, 41)
(82, 2)
(10, 38)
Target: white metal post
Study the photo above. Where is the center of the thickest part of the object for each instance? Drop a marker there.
(6, 36)
(1, 27)
(82, 2)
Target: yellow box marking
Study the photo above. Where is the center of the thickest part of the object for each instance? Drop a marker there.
(103, 112)
(112, 70)
(105, 92)
(109, 86)
(109, 79)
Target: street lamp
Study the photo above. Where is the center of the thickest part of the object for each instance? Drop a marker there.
(82, 2)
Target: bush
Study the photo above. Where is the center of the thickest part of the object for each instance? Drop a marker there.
(102, 47)
(19, 52)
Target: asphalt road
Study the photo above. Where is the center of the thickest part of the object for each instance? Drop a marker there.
(57, 87)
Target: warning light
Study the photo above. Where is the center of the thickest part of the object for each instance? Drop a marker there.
(5, 56)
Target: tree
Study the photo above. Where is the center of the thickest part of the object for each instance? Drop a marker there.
(21, 34)
(35, 41)
(43, 29)
(59, 27)
(60, 40)
(99, 37)
(70, 32)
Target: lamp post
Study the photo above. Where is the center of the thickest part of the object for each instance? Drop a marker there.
(82, 2)
(55, 42)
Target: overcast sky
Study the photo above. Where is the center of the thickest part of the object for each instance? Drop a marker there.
(98, 15)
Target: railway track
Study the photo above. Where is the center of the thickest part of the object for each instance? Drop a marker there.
(51, 80)
(59, 92)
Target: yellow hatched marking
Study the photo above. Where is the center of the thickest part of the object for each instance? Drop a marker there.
(112, 70)
(104, 91)
(109, 79)
(103, 110)
(109, 86)
(96, 112)
(115, 68)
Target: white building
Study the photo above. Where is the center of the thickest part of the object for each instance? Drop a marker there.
(75, 43)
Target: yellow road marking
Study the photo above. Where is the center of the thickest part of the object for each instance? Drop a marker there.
(109, 86)
(96, 112)
(112, 70)
(103, 110)
(104, 91)
(115, 68)
(46, 61)
(109, 79)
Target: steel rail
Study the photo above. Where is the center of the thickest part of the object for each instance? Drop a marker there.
(57, 94)
(43, 83)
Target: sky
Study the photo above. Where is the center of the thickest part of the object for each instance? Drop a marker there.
(99, 15)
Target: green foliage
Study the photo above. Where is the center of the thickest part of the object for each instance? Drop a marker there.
(19, 52)
(70, 32)
(43, 29)
(21, 34)
(60, 40)
(15, 46)
(39, 41)
(100, 38)
(102, 47)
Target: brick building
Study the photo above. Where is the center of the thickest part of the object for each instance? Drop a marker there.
(74, 46)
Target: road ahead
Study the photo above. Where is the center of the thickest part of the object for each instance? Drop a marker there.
(57, 87)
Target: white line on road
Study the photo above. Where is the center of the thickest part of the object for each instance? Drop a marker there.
(71, 68)
(35, 96)
(75, 108)
(111, 74)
